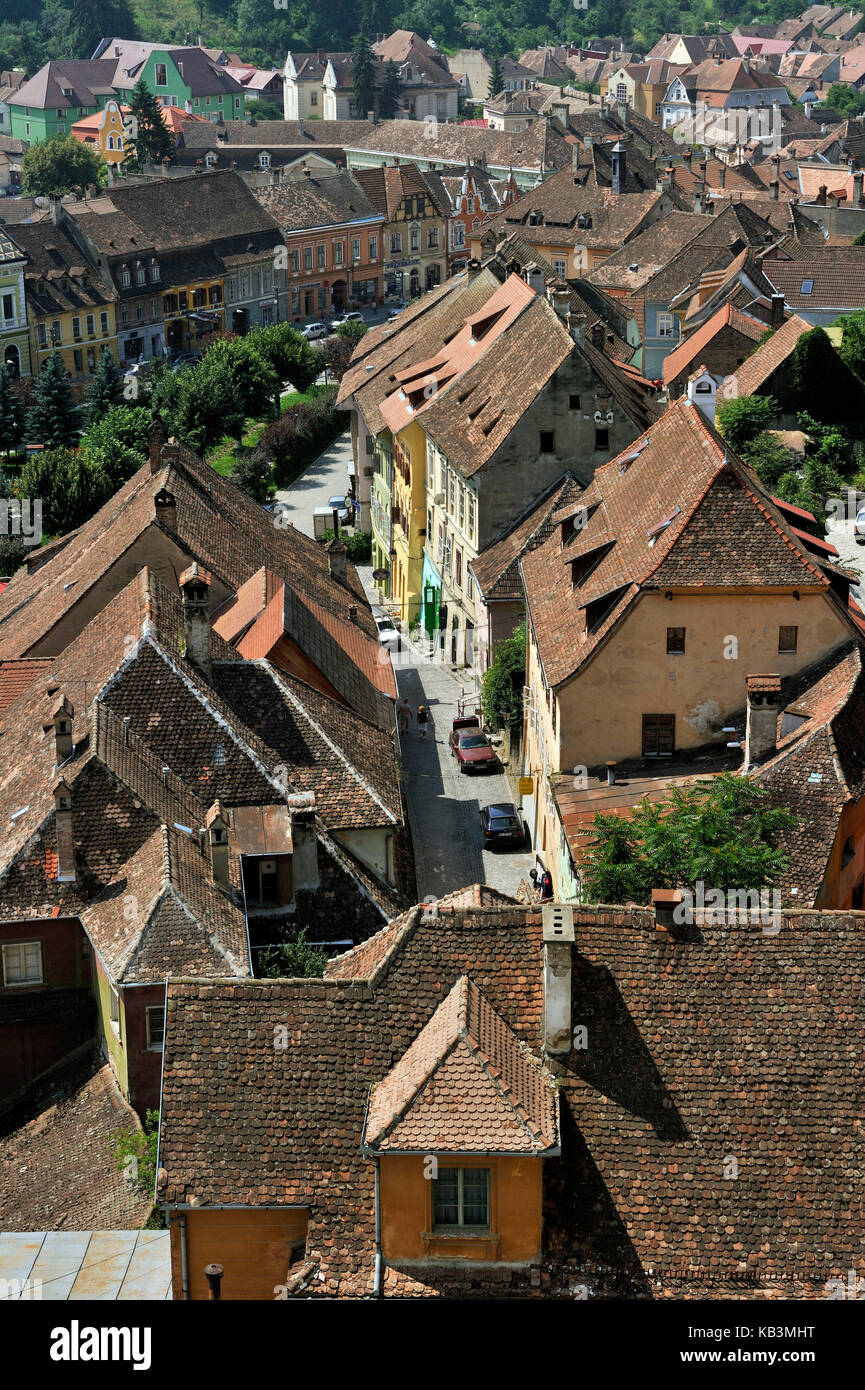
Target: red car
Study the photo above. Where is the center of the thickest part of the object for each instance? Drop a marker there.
(473, 750)
(465, 721)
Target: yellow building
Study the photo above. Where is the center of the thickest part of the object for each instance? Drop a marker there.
(104, 132)
(409, 519)
(69, 308)
(642, 86)
(193, 310)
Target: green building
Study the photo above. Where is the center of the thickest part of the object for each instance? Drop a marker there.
(63, 92)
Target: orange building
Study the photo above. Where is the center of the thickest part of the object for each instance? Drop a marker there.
(105, 131)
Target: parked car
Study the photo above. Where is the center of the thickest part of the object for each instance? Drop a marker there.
(473, 751)
(353, 317)
(344, 506)
(394, 313)
(388, 634)
(184, 360)
(315, 330)
(859, 527)
(502, 824)
(466, 721)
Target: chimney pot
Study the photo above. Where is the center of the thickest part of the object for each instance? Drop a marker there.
(304, 842)
(195, 596)
(664, 903)
(337, 559)
(62, 714)
(611, 774)
(157, 436)
(66, 871)
(558, 939)
(216, 828)
(761, 728)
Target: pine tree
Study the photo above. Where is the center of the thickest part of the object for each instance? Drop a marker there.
(363, 75)
(53, 417)
(148, 137)
(11, 414)
(391, 91)
(497, 80)
(106, 388)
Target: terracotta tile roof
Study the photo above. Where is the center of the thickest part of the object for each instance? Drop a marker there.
(649, 251)
(674, 1085)
(541, 146)
(496, 569)
(691, 347)
(833, 286)
(464, 1085)
(322, 200)
(16, 676)
(674, 488)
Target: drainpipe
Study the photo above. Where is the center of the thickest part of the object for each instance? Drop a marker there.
(379, 1261)
(184, 1262)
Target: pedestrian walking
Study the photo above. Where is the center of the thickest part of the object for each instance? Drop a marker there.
(403, 714)
(422, 720)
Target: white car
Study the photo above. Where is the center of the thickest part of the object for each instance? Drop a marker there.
(388, 634)
(315, 330)
(859, 527)
(353, 317)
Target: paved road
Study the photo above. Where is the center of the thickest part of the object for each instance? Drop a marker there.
(326, 477)
(840, 533)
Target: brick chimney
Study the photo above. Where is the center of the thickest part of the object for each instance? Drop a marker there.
(157, 436)
(195, 597)
(216, 825)
(558, 939)
(66, 871)
(664, 904)
(776, 312)
(761, 729)
(618, 161)
(773, 190)
(304, 842)
(165, 507)
(61, 717)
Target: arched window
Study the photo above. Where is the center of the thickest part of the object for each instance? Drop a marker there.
(12, 361)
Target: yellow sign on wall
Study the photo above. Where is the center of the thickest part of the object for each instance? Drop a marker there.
(527, 786)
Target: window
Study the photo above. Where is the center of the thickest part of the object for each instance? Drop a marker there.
(313, 98)
(155, 1028)
(22, 963)
(602, 439)
(125, 277)
(56, 331)
(470, 205)
(42, 334)
(452, 489)
(294, 260)
(91, 325)
(8, 308)
(432, 238)
(414, 239)
(471, 530)
(621, 91)
(373, 248)
(560, 268)
(140, 275)
(665, 326)
(76, 330)
(395, 243)
(162, 75)
(321, 255)
(458, 569)
(788, 639)
(214, 295)
(462, 515)
(307, 258)
(154, 270)
(338, 252)
(807, 287)
(547, 442)
(61, 128)
(658, 735)
(264, 160)
(461, 1197)
(139, 312)
(124, 313)
(103, 322)
(78, 360)
(573, 402)
(114, 1008)
(91, 359)
(675, 641)
(355, 249)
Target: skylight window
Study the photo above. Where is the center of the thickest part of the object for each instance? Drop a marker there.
(807, 286)
(16, 815)
(654, 531)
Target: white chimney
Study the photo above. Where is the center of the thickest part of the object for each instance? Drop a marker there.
(761, 728)
(61, 716)
(304, 842)
(216, 825)
(703, 392)
(558, 937)
(195, 596)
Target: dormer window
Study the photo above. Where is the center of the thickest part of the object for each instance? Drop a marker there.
(210, 159)
(154, 270)
(264, 160)
(125, 277)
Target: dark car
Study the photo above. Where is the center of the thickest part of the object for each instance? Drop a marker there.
(473, 751)
(502, 824)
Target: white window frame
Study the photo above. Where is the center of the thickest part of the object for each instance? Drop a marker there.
(666, 325)
(151, 1045)
(22, 947)
(114, 1009)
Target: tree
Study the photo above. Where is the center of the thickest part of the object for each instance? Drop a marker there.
(352, 331)
(53, 418)
(255, 381)
(11, 414)
(363, 75)
(57, 166)
(823, 384)
(742, 419)
(852, 349)
(13, 551)
(135, 1152)
(502, 685)
(720, 833)
(497, 80)
(148, 137)
(390, 94)
(70, 487)
(297, 959)
(116, 443)
(288, 354)
(92, 20)
(106, 388)
(845, 99)
(769, 459)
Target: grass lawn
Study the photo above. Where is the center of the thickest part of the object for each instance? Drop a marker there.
(222, 459)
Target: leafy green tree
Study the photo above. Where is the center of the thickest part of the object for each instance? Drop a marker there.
(823, 384)
(742, 419)
(845, 99)
(852, 349)
(769, 459)
(92, 20)
(13, 551)
(57, 166)
(390, 94)
(720, 832)
(255, 381)
(288, 354)
(860, 239)
(116, 442)
(502, 685)
(148, 137)
(363, 75)
(70, 486)
(11, 414)
(352, 331)
(253, 474)
(106, 387)
(53, 419)
(297, 959)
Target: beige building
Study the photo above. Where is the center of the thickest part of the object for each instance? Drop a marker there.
(303, 90)
(473, 70)
(414, 232)
(670, 581)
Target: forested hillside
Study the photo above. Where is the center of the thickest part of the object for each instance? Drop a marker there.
(263, 30)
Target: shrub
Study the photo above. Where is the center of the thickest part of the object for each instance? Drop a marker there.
(135, 1152)
(502, 684)
(741, 420)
